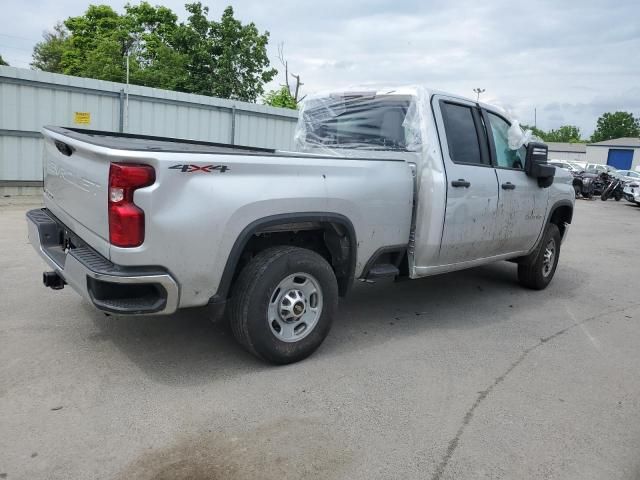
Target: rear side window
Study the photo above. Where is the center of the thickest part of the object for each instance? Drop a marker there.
(357, 122)
(462, 135)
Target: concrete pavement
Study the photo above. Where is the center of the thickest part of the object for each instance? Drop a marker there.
(465, 375)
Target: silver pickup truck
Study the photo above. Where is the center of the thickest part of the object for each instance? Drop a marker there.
(397, 183)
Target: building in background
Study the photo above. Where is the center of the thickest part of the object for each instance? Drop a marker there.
(567, 151)
(621, 153)
(31, 99)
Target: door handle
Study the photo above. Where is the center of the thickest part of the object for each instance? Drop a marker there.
(461, 182)
(508, 186)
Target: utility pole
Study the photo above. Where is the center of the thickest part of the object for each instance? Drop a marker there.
(535, 117)
(478, 92)
(126, 108)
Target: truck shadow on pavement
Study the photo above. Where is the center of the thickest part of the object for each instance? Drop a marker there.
(187, 348)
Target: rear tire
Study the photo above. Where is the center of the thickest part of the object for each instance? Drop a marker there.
(283, 304)
(538, 272)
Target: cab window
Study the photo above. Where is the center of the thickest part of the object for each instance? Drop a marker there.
(505, 157)
(462, 134)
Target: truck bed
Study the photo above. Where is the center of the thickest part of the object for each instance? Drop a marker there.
(130, 141)
(149, 143)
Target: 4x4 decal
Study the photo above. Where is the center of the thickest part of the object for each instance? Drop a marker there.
(188, 168)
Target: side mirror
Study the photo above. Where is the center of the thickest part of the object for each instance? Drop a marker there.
(536, 165)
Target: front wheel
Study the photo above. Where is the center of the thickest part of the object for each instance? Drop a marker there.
(283, 304)
(539, 270)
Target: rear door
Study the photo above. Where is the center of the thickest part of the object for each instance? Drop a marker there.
(472, 187)
(522, 204)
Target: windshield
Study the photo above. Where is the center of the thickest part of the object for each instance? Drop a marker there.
(373, 122)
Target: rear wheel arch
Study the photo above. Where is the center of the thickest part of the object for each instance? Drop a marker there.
(332, 234)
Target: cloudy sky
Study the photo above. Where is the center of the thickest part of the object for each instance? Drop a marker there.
(572, 60)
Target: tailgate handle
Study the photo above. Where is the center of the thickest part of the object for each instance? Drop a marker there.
(63, 148)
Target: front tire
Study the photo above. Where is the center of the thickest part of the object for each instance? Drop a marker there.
(538, 272)
(283, 304)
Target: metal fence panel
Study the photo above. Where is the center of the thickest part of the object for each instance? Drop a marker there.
(30, 100)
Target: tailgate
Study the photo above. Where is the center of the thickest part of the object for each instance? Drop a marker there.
(75, 186)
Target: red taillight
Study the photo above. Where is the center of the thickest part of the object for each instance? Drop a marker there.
(126, 220)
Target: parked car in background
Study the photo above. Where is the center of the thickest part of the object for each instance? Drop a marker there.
(629, 175)
(632, 192)
(563, 164)
(579, 166)
(599, 168)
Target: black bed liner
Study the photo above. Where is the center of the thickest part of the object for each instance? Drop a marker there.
(149, 143)
(145, 143)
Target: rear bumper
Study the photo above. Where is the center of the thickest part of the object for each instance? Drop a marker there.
(109, 287)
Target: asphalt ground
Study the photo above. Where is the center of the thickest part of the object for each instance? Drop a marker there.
(460, 376)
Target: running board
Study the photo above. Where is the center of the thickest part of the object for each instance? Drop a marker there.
(385, 270)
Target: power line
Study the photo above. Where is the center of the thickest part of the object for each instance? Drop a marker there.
(21, 49)
(21, 38)
(14, 62)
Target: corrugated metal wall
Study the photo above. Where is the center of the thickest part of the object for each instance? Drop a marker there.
(31, 99)
(562, 155)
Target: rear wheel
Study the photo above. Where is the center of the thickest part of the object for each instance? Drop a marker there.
(283, 304)
(540, 269)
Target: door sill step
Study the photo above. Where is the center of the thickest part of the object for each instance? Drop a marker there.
(385, 270)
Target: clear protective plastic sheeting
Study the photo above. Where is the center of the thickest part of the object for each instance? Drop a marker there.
(347, 123)
(517, 137)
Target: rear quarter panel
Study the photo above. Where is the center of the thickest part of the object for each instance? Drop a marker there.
(194, 218)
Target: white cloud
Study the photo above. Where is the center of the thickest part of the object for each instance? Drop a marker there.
(572, 60)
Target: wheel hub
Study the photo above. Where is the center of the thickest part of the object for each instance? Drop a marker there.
(292, 305)
(295, 307)
(548, 258)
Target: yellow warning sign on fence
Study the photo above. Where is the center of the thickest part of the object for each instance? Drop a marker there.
(82, 118)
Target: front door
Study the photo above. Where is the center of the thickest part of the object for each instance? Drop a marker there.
(472, 188)
(522, 204)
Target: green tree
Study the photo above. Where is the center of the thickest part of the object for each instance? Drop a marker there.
(47, 55)
(280, 98)
(219, 58)
(2, 62)
(566, 134)
(616, 125)
(226, 59)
